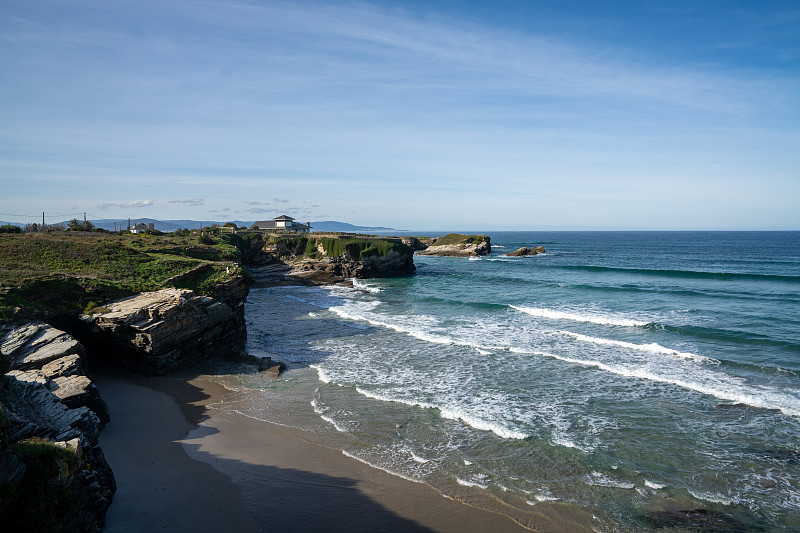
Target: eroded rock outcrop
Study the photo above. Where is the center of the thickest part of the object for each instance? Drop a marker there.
(324, 260)
(155, 333)
(50, 418)
(456, 245)
(40, 353)
(520, 252)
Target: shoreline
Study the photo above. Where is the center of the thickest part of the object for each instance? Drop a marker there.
(172, 451)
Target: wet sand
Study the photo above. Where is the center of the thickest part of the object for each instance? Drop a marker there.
(181, 466)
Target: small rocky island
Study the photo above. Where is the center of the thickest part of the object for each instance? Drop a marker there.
(521, 252)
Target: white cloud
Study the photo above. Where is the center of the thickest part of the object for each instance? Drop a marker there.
(133, 203)
(189, 201)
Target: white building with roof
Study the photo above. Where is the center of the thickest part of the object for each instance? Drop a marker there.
(282, 223)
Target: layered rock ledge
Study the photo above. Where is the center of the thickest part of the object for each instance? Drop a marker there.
(155, 333)
(51, 415)
(456, 245)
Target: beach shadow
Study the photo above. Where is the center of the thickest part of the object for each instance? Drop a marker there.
(285, 499)
(168, 468)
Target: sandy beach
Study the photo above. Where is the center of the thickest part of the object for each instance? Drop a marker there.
(181, 466)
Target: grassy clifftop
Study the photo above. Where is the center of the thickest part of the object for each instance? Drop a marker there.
(457, 238)
(357, 249)
(69, 272)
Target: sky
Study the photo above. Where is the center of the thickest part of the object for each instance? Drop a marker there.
(502, 115)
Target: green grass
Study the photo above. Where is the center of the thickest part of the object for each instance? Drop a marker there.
(359, 249)
(63, 273)
(456, 238)
(43, 499)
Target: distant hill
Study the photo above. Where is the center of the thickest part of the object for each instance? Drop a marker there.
(332, 225)
(112, 224)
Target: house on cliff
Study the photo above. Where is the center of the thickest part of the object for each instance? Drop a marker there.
(282, 223)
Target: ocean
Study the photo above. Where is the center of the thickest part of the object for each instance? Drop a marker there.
(617, 376)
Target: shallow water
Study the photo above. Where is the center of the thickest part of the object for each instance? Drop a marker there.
(603, 376)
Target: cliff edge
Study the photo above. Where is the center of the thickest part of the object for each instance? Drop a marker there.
(457, 245)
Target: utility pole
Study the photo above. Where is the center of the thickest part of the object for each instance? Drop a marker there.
(42, 220)
(84, 217)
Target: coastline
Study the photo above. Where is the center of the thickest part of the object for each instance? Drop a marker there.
(171, 450)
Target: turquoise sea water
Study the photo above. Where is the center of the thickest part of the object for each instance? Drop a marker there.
(618, 374)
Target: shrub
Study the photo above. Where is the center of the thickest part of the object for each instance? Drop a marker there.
(9, 228)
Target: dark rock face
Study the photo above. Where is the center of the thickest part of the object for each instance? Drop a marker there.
(418, 243)
(46, 397)
(311, 263)
(520, 252)
(155, 333)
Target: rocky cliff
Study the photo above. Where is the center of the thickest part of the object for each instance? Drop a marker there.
(155, 333)
(456, 245)
(331, 259)
(53, 475)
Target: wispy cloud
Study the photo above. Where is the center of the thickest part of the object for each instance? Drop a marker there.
(134, 203)
(189, 201)
(393, 114)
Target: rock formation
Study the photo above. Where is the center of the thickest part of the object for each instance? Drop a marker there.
(455, 245)
(50, 418)
(155, 333)
(324, 260)
(519, 252)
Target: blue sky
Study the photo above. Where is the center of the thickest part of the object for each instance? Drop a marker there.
(414, 115)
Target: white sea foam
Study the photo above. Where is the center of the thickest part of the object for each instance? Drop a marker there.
(362, 286)
(348, 313)
(714, 498)
(719, 385)
(321, 374)
(467, 463)
(543, 498)
(466, 483)
(601, 319)
(359, 459)
(653, 484)
(450, 413)
(652, 347)
(417, 458)
(602, 480)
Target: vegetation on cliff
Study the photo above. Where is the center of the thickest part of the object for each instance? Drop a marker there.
(68, 272)
(44, 499)
(457, 238)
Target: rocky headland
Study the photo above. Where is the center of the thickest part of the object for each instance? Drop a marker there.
(325, 260)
